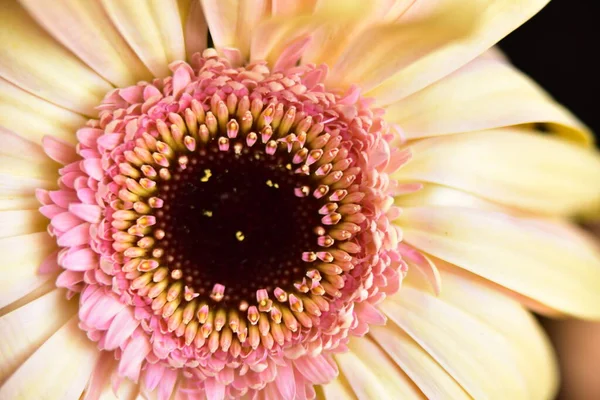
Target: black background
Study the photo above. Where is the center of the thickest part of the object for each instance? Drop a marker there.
(560, 49)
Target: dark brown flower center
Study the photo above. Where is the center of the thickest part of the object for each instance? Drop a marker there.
(234, 219)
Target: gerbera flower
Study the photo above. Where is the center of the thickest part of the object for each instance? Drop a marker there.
(340, 199)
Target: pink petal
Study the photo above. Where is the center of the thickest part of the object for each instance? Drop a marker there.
(65, 221)
(75, 236)
(133, 356)
(58, 150)
(121, 328)
(80, 260)
(87, 212)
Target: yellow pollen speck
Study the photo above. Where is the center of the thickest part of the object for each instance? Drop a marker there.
(207, 213)
(239, 235)
(288, 166)
(276, 185)
(207, 175)
(270, 183)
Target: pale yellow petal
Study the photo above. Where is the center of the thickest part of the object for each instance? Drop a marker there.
(32, 118)
(534, 353)
(478, 25)
(428, 375)
(372, 375)
(476, 356)
(221, 17)
(8, 203)
(21, 222)
(511, 166)
(60, 369)
(25, 329)
(152, 29)
(195, 29)
(549, 262)
(484, 94)
(84, 28)
(14, 145)
(21, 258)
(438, 195)
(336, 389)
(32, 60)
(331, 17)
(21, 177)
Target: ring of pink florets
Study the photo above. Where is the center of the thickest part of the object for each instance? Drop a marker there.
(122, 319)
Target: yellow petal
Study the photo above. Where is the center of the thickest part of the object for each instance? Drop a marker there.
(534, 353)
(22, 177)
(331, 17)
(195, 29)
(21, 222)
(18, 203)
(84, 28)
(32, 118)
(512, 167)
(547, 261)
(488, 22)
(337, 389)
(437, 195)
(13, 145)
(372, 375)
(60, 369)
(152, 29)
(221, 17)
(25, 329)
(21, 258)
(32, 60)
(427, 374)
(476, 356)
(484, 94)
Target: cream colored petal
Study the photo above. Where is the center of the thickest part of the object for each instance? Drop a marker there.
(281, 8)
(60, 369)
(372, 375)
(453, 33)
(21, 222)
(428, 375)
(533, 350)
(195, 29)
(514, 167)
(333, 37)
(32, 60)
(9, 203)
(437, 195)
(21, 177)
(232, 22)
(549, 262)
(479, 358)
(337, 389)
(152, 29)
(84, 28)
(20, 258)
(14, 145)
(221, 17)
(32, 118)
(330, 18)
(484, 94)
(25, 329)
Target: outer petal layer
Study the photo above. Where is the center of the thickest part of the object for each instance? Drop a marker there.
(60, 369)
(550, 262)
(514, 167)
(58, 76)
(479, 24)
(85, 29)
(486, 93)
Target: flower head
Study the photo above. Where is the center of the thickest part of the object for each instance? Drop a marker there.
(334, 201)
